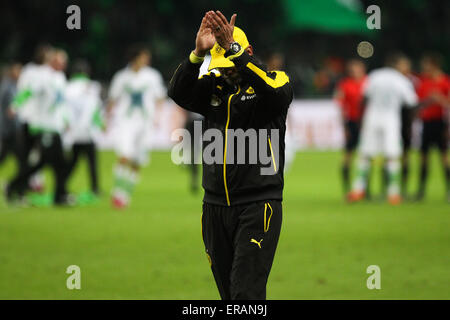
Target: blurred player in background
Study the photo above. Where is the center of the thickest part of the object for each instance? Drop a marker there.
(26, 105)
(435, 84)
(191, 120)
(348, 94)
(8, 120)
(134, 93)
(385, 91)
(48, 88)
(407, 119)
(276, 61)
(84, 104)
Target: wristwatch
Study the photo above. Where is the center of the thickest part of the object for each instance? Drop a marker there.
(235, 47)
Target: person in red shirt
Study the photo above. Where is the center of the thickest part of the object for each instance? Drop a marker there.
(434, 84)
(348, 95)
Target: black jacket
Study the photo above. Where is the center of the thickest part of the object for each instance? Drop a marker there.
(260, 102)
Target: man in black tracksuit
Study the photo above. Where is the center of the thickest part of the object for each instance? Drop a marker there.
(242, 208)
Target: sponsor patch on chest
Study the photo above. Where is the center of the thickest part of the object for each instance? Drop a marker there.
(248, 97)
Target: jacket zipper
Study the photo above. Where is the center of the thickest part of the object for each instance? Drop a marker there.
(225, 147)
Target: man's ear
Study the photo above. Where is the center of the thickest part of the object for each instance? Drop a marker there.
(249, 50)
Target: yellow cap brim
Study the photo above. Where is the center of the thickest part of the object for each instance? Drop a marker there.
(220, 62)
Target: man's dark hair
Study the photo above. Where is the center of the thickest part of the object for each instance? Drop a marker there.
(393, 58)
(81, 66)
(40, 53)
(434, 58)
(135, 50)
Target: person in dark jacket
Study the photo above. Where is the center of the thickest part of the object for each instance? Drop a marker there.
(247, 105)
(8, 121)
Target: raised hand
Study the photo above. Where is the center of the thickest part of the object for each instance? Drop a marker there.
(205, 38)
(222, 29)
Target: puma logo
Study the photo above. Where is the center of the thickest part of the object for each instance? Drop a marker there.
(257, 242)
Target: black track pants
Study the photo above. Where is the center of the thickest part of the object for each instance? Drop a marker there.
(240, 242)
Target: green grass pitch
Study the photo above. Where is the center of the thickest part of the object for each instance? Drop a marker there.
(154, 249)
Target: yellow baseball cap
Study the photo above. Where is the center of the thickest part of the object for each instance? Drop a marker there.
(217, 52)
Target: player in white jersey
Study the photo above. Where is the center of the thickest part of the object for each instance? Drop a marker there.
(29, 85)
(52, 113)
(49, 124)
(385, 92)
(83, 101)
(26, 106)
(134, 93)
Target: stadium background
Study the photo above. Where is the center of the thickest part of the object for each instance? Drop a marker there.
(154, 249)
